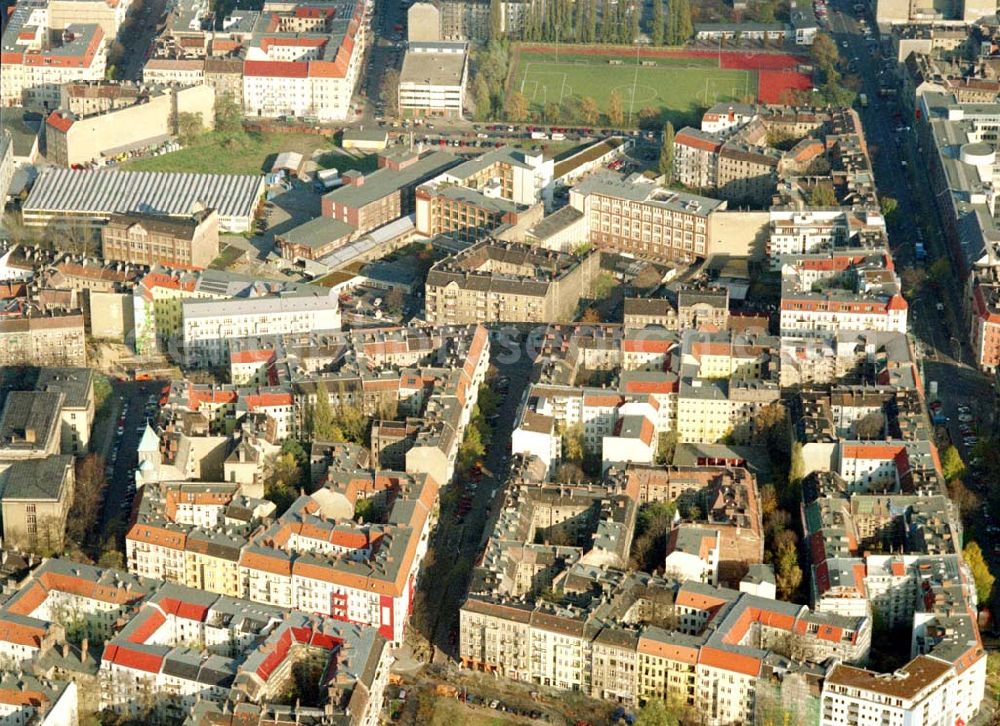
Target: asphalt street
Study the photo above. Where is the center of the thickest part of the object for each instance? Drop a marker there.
(458, 541)
(138, 37)
(124, 448)
(901, 172)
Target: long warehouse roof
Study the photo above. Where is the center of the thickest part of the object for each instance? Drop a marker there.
(105, 191)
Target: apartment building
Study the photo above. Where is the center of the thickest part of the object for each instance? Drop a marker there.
(863, 561)
(724, 381)
(77, 408)
(181, 71)
(149, 239)
(747, 174)
(209, 326)
(696, 158)
(369, 201)
(816, 231)
(316, 557)
(633, 438)
(77, 138)
(647, 364)
(55, 340)
(642, 312)
(174, 649)
(637, 216)
(333, 566)
(733, 155)
(494, 282)
(27, 699)
(985, 318)
(829, 292)
(727, 538)
(192, 534)
(922, 691)
(311, 73)
(702, 307)
(711, 662)
(37, 57)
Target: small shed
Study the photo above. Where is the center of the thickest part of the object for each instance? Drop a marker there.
(288, 161)
(364, 139)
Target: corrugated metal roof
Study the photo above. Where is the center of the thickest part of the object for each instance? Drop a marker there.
(106, 191)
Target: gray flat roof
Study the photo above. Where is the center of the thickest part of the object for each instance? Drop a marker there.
(258, 306)
(23, 126)
(29, 419)
(365, 135)
(637, 189)
(172, 193)
(435, 69)
(556, 222)
(317, 232)
(385, 181)
(75, 383)
(40, 479)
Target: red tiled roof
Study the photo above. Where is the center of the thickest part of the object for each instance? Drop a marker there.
(135, 659)
(726, 660)
(697, 142)
(252, 356)
(59, 122)
(276, 69)
(185, 610)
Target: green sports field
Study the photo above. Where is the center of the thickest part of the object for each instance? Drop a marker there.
(682, 87)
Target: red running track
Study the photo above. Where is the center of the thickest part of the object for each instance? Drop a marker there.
(775, 71)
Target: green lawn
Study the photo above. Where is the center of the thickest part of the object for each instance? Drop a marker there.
(448, 711)
(682, 88)
(221, 153)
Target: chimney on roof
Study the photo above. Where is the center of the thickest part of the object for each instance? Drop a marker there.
(353, 178)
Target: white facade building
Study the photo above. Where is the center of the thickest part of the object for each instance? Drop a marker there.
(209, 325)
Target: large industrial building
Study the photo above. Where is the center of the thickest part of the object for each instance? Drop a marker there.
(66, 196)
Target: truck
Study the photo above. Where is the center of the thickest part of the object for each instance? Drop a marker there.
(863, 100)
(538, 135)
(327, 179)
(920, 251)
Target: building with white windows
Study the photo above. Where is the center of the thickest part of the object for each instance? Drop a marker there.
(637, 216)
(209, 326)
(796, 232)
(167, 647)
(433, 79)
(925, 690)
(305, 62)
(38, 53)
(828, 292)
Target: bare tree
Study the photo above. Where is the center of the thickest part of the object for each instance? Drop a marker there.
(870, 426)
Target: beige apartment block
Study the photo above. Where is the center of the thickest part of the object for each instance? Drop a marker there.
(149, 239)
(507, 282)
